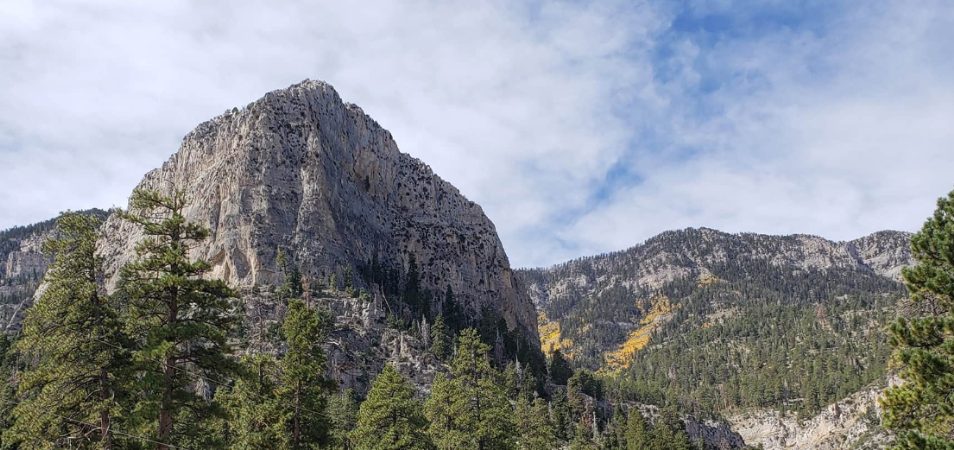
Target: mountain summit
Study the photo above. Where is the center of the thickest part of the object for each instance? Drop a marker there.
(300, 170)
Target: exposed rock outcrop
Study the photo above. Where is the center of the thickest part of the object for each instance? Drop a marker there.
(303, 171)
(22, 266)
(850, 423)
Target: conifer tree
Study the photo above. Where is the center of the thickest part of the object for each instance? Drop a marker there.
(669, 433)
(559, 369)
(470, 410)
(256, 414)
(73, 339)
(637, 432)
(7, 388)
(342, 412)
(179, 319)
(391, 417)
(534, 427)
(922, 407)
(304, 387)
(440, 338)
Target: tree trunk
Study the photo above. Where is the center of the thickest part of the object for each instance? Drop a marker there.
(296, 422)
(106, 435)
(165, 406)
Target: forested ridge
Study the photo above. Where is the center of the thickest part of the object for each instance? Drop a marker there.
(790, 322)
(162, 363)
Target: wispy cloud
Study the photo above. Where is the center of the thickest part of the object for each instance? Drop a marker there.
(580, 127)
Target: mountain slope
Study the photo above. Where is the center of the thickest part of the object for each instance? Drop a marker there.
(302, 173)
(721, 321)
(22, 265)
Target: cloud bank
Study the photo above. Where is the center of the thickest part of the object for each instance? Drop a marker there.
(579, 127)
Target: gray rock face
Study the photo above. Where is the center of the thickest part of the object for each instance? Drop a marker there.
(22, 265)
(303, 171)
(853, 422)
(690, 253)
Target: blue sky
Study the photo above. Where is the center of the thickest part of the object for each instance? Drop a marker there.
(580, 127)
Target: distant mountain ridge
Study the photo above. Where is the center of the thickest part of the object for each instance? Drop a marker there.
(22, 266)
(726, 322)
(303, 173)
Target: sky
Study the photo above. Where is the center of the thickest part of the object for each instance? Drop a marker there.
(579, 127)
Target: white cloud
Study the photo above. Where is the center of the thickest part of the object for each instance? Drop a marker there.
(514, 106)
(837, 134)
(529, 109)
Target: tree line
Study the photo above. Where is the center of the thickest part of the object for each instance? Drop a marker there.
(154, 365)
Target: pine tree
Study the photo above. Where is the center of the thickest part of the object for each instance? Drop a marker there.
(440, 339)
(7, 389)
(291, 287)
(391, 417)
(304, 386)
(534, 427)
(637, 432)
(669, 433)
(342, 412)
(562, 417)
(471, 410)
(256, 414)
(179, 319)
(440, 409)
(559, 368)
(922, 408)
(74, 342)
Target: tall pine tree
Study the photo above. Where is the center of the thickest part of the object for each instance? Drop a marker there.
(73, 339)
(179, 319)
(304, 386)
(390, 418)
(256, 414)
(922, 407)
(471, 410)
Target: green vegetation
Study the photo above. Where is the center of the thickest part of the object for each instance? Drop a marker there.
(77, 350)
(785, 349)
(391, 416)
(749, 333)
(921, 409)
(178, 320)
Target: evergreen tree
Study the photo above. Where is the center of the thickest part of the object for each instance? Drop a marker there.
(179, 319)
(562, 417)
(669, 433)
(439, 409)
(534, 427)
(7, 389)
(440, 339)
(922, 408)
(256, 414)
(342, 412)
(304, 387)
(559, 368)
(391, 417)
(291, 286)
(74, 342)
(637, 432)
(471, 410)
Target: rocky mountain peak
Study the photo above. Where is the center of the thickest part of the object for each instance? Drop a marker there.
(302, 171)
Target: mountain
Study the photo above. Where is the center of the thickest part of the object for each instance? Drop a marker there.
(729, 323)
(22, 265)
(303, 173)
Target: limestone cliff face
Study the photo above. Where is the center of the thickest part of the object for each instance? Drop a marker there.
(22, 266)
(302, 171)
(853, 422)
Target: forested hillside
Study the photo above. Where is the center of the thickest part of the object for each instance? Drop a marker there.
(717, 321)
(22, 265)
